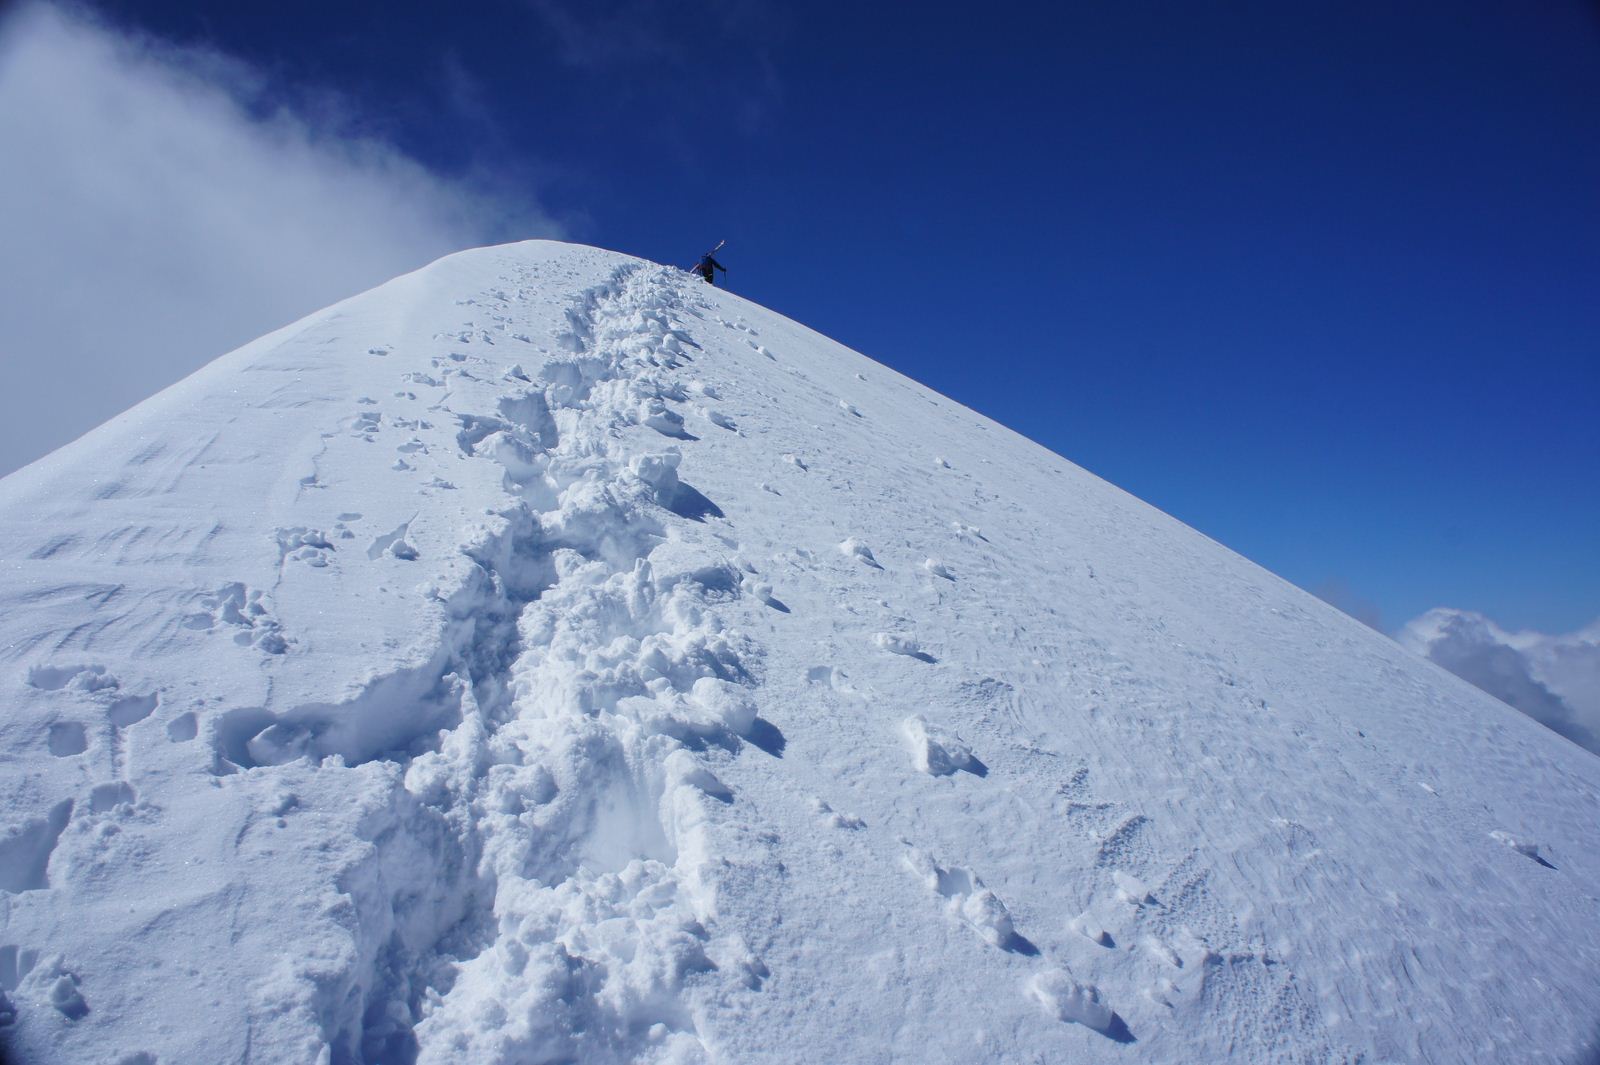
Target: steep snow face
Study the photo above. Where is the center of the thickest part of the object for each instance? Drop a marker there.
(545, 657)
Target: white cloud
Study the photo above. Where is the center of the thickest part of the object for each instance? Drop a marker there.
(1553, 679)
(158, 209)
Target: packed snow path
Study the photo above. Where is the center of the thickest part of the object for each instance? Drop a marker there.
(547, 658)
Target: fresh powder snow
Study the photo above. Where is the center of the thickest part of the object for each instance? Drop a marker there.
(546, 657)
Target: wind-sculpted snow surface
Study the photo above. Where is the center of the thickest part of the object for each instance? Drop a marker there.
(548, 658)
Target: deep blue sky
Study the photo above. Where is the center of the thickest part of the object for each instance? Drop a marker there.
(1320, 279)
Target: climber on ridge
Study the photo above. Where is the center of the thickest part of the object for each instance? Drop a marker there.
(707, 266)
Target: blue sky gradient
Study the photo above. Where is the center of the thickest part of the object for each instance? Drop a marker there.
(1320, 279)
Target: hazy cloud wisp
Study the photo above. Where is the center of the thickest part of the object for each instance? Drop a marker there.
(1553, 679)
(161, 209)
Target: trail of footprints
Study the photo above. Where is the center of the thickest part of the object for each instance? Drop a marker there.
(578, 572)
(244, 612)
(677, 674)
(627, 694)
(600, 683)
(82, 691)
(703, 713)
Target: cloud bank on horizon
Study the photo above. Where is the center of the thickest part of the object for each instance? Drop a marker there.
(1553, 679)
(164, 206)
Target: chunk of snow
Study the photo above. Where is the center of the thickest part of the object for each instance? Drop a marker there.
(1069, 1000)
(896, 644)
(1130, 889)
(725, 702)
(935, 750)
(1091, 929)
(852, 547)
(965, 897)
(1526, 848)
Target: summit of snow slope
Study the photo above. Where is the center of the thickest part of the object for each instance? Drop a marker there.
(545, 657)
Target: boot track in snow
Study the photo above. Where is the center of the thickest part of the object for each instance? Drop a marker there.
(388, 692)
(591, 693)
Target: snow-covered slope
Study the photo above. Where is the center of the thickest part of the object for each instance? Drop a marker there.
(546, 658)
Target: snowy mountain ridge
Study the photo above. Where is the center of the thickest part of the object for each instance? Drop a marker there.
(546, 657)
